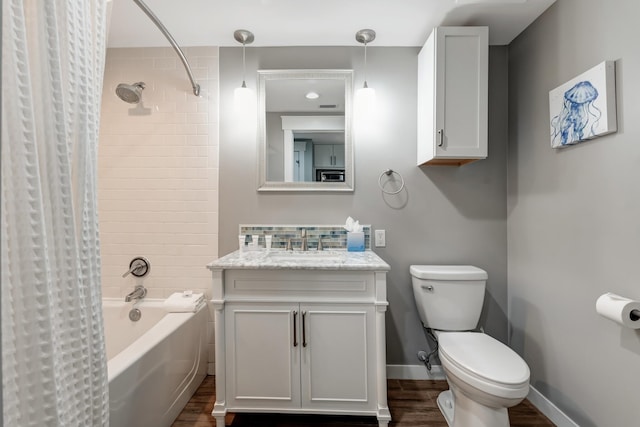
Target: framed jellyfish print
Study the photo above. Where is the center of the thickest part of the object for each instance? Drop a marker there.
(584, 107)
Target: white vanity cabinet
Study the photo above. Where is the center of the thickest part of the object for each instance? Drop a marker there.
(300, 341)
(299, 356)
(453, 96)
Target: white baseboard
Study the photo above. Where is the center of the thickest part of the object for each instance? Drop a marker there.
(551, 411)
(419, 372)
(414, 372)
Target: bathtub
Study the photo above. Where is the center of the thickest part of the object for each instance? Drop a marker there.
(155, 364)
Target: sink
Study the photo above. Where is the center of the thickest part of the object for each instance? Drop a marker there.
(311, 256)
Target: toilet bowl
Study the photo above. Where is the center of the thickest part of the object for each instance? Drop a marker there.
(485, 376)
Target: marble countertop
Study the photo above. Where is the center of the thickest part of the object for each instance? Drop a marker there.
(299, 260)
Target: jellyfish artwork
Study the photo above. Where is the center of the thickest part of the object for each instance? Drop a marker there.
(579, 117)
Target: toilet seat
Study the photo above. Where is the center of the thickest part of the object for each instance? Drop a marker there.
(484, 363)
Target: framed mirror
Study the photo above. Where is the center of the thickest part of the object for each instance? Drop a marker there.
(305, 139)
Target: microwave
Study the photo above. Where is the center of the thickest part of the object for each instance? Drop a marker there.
(330, 175)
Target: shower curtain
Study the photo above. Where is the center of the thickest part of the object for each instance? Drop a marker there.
(53, 357)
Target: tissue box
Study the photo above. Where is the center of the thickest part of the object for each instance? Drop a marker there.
(355, 241)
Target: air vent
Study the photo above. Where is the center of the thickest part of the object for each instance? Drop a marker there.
(327, 106)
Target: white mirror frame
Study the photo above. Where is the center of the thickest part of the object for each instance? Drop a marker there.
(263, 184)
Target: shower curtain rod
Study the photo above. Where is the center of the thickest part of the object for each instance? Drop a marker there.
(163, 30)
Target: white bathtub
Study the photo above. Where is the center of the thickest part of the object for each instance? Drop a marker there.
(155, 364)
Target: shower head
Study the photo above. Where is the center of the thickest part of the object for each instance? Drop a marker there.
(130, 93)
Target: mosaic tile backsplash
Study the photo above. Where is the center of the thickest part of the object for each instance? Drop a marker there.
(333, 236)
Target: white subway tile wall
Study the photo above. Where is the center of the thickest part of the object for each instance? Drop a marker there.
(158, 172)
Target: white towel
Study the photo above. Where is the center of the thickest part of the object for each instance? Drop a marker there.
(183, 302)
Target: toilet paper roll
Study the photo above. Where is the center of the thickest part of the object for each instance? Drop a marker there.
(617, 308)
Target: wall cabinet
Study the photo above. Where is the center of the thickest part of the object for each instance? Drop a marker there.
(452, 96)
(328, 155)
(300, 341)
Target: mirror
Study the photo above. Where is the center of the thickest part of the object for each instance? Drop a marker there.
(305, 141)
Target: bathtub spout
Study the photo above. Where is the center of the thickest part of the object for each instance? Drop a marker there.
(138, 293)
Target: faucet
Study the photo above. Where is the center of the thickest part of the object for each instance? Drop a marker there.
(304, 246)
(138, 293)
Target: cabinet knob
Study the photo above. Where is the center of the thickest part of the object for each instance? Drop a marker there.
(440, 137)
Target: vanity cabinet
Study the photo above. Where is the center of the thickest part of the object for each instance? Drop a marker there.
(304, 356)
(300, 341)
(328, 155)
(452, 96)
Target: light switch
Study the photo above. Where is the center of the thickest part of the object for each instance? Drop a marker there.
(381, 239)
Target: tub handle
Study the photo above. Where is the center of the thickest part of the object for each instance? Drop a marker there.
(139, 267)
(295, 331)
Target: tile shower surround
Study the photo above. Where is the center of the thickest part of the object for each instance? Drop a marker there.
(158, 173)
(333, 236)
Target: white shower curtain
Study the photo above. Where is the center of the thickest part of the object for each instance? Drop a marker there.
(53, 358)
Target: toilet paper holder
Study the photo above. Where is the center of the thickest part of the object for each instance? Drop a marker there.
(619, 309)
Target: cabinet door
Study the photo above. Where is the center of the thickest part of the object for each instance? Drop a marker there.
(262, 355)
(323, 155)
(461, 91)
(453, 96)
(338, 155)
(338, 357)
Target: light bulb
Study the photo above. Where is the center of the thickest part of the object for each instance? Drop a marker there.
(243, 99)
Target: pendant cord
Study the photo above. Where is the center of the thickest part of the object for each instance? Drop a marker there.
(244, 67)
(365, 64)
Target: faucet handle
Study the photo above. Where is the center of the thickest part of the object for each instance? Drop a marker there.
(139, 267)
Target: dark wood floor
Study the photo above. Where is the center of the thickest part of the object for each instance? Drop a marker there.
(412, 403)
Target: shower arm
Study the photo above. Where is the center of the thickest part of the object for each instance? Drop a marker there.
(163, 30)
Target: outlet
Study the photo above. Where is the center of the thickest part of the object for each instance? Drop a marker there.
(381, 239)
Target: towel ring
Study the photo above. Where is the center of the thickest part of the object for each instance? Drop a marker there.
(388, 172)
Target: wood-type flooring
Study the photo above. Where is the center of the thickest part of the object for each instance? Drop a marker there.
(412, 403)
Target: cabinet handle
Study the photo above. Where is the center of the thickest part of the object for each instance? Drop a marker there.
(295, 331)
(304, 334)
(440, 137)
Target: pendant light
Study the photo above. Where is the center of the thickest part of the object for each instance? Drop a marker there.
(366, 36)
(242, 94)
(365, 99)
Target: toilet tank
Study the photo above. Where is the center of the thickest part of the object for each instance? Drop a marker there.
(449, 297)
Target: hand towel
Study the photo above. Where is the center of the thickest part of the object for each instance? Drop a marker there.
(183, 302)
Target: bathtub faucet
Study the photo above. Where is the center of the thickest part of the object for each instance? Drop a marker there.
(138, 293)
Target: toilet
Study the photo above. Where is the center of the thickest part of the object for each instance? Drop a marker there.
(485, 376)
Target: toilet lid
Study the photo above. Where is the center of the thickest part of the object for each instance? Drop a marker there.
(447, 272)
(498, 363)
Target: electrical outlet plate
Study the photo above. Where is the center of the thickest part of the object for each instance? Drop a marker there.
(380, 238)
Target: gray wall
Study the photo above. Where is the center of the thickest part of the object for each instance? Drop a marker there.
(574, 215)
(446, 215)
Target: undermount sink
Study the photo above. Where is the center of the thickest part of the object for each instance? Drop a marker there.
(310, 256)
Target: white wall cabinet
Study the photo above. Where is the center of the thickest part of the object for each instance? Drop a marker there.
(300, 341)
(453, 96)
(328, 155)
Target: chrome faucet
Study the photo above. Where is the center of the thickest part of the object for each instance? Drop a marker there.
(138, 293)
(304, 246)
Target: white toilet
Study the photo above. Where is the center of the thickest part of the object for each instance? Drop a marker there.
(485, 376)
